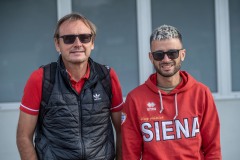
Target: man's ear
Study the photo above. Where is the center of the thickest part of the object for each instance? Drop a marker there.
(56, 42)
(183, 54)
(92, 46)
(150, 56)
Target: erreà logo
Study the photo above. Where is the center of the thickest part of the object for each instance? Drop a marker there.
(151, 106)
(96, 97)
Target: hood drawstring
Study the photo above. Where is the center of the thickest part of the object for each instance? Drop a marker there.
(161, 104)
(176, 107)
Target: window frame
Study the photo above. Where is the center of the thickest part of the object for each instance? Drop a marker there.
(223, 52)
(223, 48)
(63, 7)
(144, 23)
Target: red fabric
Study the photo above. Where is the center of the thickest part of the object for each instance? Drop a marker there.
(33, 91)
(78, 85)
(147, 133)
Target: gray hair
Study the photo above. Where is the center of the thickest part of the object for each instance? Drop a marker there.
(74, 17)
(165, 32)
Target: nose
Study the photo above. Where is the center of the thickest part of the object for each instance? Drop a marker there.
(165, 58)
(77, 41)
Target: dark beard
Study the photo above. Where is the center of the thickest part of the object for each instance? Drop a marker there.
(176, 69)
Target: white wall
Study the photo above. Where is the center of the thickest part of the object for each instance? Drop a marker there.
(8, 125)
(229, 111)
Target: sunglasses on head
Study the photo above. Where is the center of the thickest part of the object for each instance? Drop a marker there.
(172, 54)
(70, 39)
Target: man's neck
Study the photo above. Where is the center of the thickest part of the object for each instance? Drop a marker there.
(168, 82)
(77, 71)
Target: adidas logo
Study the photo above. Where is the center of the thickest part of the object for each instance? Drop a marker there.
(96, 97)
(151, 106)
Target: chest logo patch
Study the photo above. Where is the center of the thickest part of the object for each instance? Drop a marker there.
(96, 97)
(151, 106)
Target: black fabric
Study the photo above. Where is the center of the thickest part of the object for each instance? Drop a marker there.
(103, 72)
(76, 126)
(49, 79)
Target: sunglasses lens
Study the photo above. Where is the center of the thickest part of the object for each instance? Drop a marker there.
(173, 54)
(85, 38)
(159, 55)
(70, 39)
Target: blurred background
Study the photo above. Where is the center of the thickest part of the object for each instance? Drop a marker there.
(210, 28)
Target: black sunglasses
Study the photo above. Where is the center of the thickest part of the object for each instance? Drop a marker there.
(172, 54)
(70, 39)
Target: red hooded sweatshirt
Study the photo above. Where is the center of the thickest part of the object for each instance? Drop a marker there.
(180, 125)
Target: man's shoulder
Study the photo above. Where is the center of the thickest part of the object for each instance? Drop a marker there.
(96, 64)
(36, 75)
(101, 69)
(139, 90)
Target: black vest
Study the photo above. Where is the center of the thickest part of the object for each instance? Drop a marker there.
(76, 126)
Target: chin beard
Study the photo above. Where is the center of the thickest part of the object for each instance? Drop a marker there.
(176, 69)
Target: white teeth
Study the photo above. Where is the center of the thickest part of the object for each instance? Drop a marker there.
(166, 66)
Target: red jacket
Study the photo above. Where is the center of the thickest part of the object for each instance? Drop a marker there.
(181, 125)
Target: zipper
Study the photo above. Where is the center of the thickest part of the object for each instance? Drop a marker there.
(80, 126)
(80, 96)
(82, 154)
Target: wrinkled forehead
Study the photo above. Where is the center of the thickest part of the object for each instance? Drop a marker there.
(74, 27)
